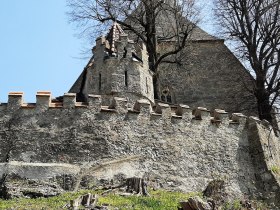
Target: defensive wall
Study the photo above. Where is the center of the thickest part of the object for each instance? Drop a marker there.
(174, 147)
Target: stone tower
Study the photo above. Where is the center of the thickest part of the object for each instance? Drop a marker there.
(119, 68)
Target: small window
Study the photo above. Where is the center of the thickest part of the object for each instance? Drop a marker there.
(147, 86)
(168, 99)
(100, 81)
(166, 95)
(125, 78)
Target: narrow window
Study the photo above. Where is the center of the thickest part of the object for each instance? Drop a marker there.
(125, 78)
(166, 95)
(99, 81)
(147, 86)
(169, 99)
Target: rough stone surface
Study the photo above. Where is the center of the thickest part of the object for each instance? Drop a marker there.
(216, 191)
(16, 187)
(124, 133)
(210, 76)
(195, 203)
(265, 150)
(183, 153)
(121, 75)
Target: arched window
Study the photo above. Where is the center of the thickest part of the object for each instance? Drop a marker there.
(166, 95)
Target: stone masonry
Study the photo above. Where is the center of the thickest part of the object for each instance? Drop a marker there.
(176, 147)
(121, 131)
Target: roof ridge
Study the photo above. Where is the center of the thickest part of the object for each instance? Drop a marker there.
(113, 35)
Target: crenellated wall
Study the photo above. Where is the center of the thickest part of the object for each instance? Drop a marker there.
(174, 146)
(121, 73)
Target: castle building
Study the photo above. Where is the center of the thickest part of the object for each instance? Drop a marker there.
(119, 68)
(210, 75)
(109, 125)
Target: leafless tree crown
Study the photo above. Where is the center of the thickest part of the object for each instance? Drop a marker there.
(150, 21)
(255, 25)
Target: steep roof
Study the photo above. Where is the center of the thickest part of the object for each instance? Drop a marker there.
(113, 36)
(198, 35)
(165, 23)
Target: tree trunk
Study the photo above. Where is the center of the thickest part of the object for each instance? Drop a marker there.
(156, 87)
(262, 96)
(136, 185)
(3, 187)
(150, 30)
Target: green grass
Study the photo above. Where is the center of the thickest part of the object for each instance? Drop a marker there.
(275, 169)
(158, 200)
(235, 205)
(40, 203)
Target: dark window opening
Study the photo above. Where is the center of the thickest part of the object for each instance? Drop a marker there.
(147, 86)
(125, 78)
(125, 53)
(168, 99)
(166, 95)
(99, 81)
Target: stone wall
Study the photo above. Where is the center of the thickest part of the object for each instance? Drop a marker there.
(123, 74)
(210, 76)
(176, 147)
(265, 150)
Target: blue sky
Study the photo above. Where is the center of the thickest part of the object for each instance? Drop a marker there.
(38, 49)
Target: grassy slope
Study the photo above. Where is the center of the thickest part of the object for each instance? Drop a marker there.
(159, 200)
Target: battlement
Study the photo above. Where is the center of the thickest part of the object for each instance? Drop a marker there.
(142, 107)
(121, 67)
(119, 49)
(168, 137)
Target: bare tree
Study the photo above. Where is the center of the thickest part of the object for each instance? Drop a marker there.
(255, 26)
(154, 22)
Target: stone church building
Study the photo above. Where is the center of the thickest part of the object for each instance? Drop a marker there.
(110, 125)
(211, 75)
